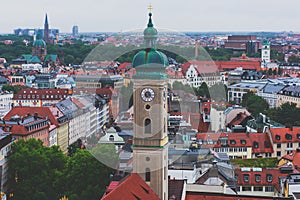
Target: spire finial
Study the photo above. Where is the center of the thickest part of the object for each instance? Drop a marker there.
(150, 8)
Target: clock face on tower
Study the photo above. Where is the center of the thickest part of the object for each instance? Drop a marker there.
(147, 94)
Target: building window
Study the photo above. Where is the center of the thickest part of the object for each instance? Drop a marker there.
(289, 145)
(246, 188)
(278, 146)
(269, 189)
(246, 177)
(278, 153)
(111, 138)
(147, 125)
(258, 188)
(288, 136)
(148, 175)
(257, 178)
(255, 145)
(269, 178)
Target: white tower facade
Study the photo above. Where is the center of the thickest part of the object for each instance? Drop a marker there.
(265, 52)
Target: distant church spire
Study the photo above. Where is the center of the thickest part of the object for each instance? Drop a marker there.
(46, 29)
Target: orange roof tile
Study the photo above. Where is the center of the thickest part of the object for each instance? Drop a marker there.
(132, 188)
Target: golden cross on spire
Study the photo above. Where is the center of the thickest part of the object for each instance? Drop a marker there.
(150, 8)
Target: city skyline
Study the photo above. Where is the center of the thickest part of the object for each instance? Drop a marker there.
(115, 16)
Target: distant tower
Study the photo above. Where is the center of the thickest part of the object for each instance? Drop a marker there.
(150, 141)
(75, 30)
(46, 30)
(265, 52)
(39, 48)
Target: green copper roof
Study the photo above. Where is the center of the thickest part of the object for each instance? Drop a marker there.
(266, 42)
(39, 42)
(35, 59)
(51, 57)
(150, 31)
(149, 56)
(150, 63)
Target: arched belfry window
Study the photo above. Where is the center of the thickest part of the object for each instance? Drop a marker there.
(147, 125)
(111, 138)
(147, 175)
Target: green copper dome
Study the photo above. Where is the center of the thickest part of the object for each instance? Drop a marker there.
(150, 56)
(39, 42)
(150, 63)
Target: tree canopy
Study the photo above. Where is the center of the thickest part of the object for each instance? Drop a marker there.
(254, 104)
(39, 172)
(287, 114)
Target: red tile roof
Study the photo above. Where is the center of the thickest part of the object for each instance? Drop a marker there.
(294, 157)
(23, 111)
(263, 173)
(211, 66)
(263, 141)
(234, 139)
(132, 188)
(285, 135)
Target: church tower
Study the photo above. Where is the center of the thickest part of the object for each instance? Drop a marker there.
(265, 52)
(39, 47)
(46, 30)
(150, 141)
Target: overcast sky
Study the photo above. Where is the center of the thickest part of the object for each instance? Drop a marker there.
(178, 15)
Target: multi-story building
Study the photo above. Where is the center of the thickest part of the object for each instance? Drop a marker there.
(27, 127)
(40, 97)
(247, 43)
(236, 91)
(269, 93)
(236, 145)
(217, 116)
(6, 141)
(6, 102)
(197, 72)
(289, 94)
(284, 140)
(258, 181)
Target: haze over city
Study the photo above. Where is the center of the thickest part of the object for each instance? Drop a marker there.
(115, 16)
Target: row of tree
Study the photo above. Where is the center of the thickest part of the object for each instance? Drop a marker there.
(287, 114)
(39, 172)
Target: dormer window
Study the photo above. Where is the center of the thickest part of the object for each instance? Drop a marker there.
(232, 142)
(246, 177)
(267, 144)
(269, 178)
(243, 141)
(277, 137)
(257, 178)
(255, 144)
(288, 136)
(298, 135)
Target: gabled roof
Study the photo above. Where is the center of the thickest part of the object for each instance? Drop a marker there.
(294, 157)
(132, 188)
(34, 59)
(285, 135)
(263, 142)
(24, 111)
(51, 57)
(274, 174)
